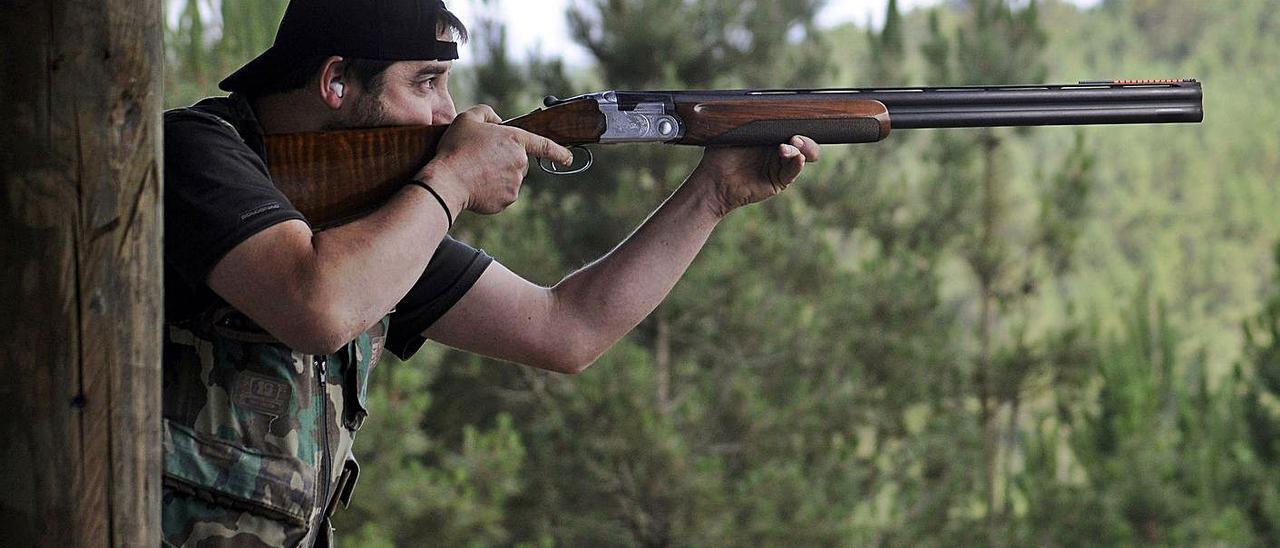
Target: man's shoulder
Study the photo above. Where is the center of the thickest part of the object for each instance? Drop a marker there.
(218, 111)
(229, 114)
(218, 126)
(213, 140)
(227, 107)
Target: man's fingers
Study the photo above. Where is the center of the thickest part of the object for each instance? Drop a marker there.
(542, 147)
(790, 163)
(808, 147)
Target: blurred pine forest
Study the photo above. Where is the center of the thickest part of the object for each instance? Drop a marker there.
(1051, 337)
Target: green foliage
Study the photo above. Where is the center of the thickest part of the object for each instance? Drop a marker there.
(712, 42)
(415, 486)
(887, 65)
(1259, 379)
(199, 54)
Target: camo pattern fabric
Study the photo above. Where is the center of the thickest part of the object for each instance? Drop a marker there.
(256, 435)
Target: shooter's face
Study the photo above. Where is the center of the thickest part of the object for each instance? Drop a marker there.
(413, 93)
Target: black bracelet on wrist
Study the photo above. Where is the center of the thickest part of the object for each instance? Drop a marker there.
(433, 192)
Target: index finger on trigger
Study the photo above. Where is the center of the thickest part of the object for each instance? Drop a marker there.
(542, 147)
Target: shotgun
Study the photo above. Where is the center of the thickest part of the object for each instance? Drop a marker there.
(335, 176)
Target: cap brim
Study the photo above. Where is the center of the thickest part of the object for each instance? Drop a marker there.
(268, 65)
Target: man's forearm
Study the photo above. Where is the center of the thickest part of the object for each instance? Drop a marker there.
(566, 327)
(362, 269)
(608, 298)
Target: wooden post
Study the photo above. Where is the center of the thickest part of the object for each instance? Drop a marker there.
(80, 272)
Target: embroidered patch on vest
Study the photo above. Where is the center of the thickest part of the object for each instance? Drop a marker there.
(376, 345)
(262, 394)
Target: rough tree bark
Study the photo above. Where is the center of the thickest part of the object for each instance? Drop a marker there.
(80, 272)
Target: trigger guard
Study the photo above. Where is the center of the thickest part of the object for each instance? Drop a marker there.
(550, 167)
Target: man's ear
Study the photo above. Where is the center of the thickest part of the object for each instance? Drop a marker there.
(332, 86)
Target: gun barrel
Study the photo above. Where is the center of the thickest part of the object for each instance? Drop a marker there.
(1085, 103)
(1109, 102)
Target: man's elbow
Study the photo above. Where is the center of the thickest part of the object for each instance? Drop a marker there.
(318, 332)
(574, 366)
(315, 343)
(572, 357)
(319, 344)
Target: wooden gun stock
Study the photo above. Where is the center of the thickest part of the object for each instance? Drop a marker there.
(335, 176)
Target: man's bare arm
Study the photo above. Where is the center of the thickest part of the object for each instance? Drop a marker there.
(566, 327)
(317, 292)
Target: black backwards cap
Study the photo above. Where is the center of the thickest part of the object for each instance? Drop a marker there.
(383, 30)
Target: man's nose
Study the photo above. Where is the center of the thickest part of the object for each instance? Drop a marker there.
(444, 115)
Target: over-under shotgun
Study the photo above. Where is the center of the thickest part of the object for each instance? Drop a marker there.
(335, 176)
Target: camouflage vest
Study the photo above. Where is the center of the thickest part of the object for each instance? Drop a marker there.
(257, 437)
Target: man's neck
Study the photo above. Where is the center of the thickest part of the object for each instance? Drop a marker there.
(293, 112)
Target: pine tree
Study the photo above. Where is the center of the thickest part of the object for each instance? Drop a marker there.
(1261, 383)
(994, 42)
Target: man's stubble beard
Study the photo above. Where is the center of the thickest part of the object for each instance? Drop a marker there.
(367, 111)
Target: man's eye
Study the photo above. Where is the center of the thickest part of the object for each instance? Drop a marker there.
(429, 83)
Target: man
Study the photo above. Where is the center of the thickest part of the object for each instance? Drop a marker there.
(271, 329)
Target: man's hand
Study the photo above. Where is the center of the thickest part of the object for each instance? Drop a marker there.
(745, 175)
(480, 164)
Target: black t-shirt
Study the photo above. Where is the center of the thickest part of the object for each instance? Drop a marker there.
(218, 194)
